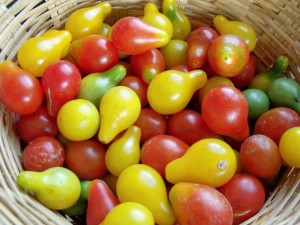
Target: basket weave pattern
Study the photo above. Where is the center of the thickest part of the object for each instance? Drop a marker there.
(276, 22)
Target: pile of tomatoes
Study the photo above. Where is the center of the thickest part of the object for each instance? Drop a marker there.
(147, 121)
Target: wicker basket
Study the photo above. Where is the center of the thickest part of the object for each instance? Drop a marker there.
(276, 22)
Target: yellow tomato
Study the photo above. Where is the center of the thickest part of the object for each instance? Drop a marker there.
(132, 213)
(209, 161)
(289, 146)
(78, 120)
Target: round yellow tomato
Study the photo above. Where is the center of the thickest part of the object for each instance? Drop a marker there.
(132, 213)
(78, 120)
(209, 161)
(289, 147)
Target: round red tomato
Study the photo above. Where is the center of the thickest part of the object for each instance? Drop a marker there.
(37, 124)
(260, 156)
(189, 126)
(148, 64)
(151, 123)
(228, 55)
(61, 83)
(276, 121)
(43, 153)
(225, 111)
(159, 150)
(246, 195)
(20, 91)
(136, 84)
(86, 159)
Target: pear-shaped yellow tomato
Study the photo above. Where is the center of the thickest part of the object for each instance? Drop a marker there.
(171, 91)
(157, 19)
(87, 21)
(37, 53)
(209, 161)
(78, 120)
(129, 213)
(57, 188)
(124, 151)
(240, 28)
(143, 184)
(119, 109)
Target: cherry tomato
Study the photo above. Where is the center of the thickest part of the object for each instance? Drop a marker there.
(289, 146)
(189, 126)
(275, 122)
(43, 153)
(37, 124)
(175, 47)
(260, 156)
(61, 83)
(198, 44)
(246, 195)
(136, 84)
(244, 78)
(20, 91)
(159, 150)
(228, 55)
(199, 204)
(94, 53)
(151, 123)
(225, 111)
(148, 64)
(78, 120)
(86, 159)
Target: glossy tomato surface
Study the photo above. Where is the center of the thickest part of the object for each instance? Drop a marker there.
(246, 195)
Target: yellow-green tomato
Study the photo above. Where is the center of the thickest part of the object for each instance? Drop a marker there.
(209, 161)
(57, 188)
(129, 213)
(289, 147)
(171, 91)
(143, 184)
(78, 120)
(175, 53)
(119, 109)
(124, 151)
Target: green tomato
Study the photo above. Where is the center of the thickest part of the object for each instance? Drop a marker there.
(78, 120)
(175, 47)
(132, 213)
(258, 102)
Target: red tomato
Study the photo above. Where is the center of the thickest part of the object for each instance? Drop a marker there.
(20, 91)
(159, 150)
(189, 126)
(260, 156)
(199, 204)
(225, 111)
(198, 44)
(148, 64)
(61, 83)
(244, 78)
(228, 55)
(43, 153)
(183, 68)
(275, 122)
(37, 124)
(246, 195)
(86, 159)
(136, 84)
(94, 53)
(151, 123)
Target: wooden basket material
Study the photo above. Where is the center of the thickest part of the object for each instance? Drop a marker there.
(277, 25)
